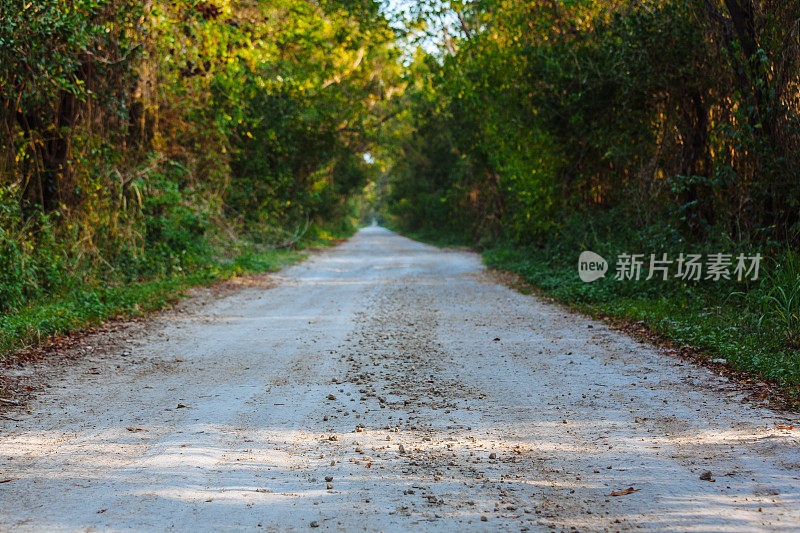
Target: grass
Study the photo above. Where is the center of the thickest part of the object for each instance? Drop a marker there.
(87, 305)
(717, 323)
(91, 303)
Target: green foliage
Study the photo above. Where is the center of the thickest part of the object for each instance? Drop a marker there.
(32, 263)
(776, 300)
(146, 140)
(543, 129)
(656, 109)
(174, 232)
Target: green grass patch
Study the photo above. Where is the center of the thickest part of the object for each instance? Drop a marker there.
(720, 323)
(86, 305)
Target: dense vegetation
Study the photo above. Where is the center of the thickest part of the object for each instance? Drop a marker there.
(160, 139)
(548, 128)
(147, 145)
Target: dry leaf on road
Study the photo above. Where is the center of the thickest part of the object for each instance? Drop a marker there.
(623, 492)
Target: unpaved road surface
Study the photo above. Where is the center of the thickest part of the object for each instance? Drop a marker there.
(387, 385)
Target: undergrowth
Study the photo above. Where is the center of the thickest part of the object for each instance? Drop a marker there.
(84, 302)
(753, 325)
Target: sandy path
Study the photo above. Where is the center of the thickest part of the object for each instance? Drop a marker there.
(378, 343)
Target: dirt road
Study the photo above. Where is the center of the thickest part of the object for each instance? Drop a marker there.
(388, 385)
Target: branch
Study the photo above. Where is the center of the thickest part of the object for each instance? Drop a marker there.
(463, 24)
(338, 78)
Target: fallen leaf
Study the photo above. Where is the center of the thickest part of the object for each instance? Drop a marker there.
(624, 492)
(784, 427)
(496, 339)
(135, 429)
(181, 406)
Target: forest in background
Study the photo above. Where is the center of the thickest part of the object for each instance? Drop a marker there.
(156, 140)
(545, 128)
